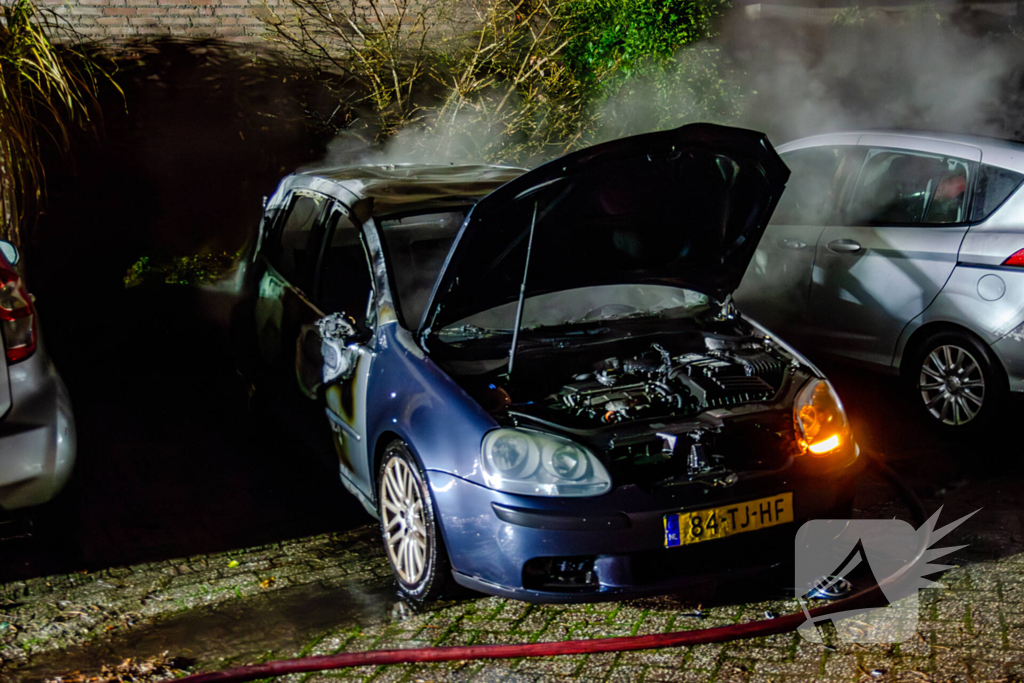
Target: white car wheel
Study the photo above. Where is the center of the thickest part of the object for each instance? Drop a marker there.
(409, 529)
(405, 529)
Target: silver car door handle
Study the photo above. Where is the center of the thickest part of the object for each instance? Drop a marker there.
(844, 246)
(792, 244)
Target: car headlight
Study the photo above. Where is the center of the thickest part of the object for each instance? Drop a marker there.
(820, 420)
(535, 464)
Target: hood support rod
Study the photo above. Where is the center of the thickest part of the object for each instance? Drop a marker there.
(522, 295)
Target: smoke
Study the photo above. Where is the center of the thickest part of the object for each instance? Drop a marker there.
(913, 67)
(442, 137)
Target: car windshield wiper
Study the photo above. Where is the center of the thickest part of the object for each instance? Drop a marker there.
(471, 332)
(672, 312)
(569, 330)
(557, 336)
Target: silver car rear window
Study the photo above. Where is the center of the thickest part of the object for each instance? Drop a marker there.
(994, 186)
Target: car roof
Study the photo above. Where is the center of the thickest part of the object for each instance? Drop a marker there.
(397, 188)
(994, 151)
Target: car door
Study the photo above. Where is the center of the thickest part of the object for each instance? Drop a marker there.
(776, 285)
(893, 248)
(342, 291)
(283, 303)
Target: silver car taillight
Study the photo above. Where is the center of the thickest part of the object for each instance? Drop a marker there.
(17, 317)
(1015, 259)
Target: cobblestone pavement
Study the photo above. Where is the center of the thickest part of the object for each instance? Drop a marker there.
(191, 488)
(331, 593)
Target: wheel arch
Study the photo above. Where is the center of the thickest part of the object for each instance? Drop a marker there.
(385, 439)
(925, 331)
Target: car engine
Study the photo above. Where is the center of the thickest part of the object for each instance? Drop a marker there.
(657, 383)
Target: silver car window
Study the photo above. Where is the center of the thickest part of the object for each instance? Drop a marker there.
(810, 194)
(994, 186)
(898, 187)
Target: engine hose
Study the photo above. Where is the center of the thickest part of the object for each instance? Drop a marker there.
(754, 629)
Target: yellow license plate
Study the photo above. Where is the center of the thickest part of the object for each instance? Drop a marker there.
(684, 528)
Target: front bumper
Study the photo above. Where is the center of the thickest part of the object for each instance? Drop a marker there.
(37, 435)
(492, 536)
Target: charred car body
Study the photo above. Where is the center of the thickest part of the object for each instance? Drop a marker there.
(537, 382)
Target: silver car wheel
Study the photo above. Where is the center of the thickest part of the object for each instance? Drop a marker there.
(405, 526)
(952, 385)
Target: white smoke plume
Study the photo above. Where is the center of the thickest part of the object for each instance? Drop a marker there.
(918, 68)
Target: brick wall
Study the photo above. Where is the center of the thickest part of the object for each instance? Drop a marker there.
(233, 20)
(123, 19)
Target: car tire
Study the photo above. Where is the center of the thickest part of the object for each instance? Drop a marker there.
(956, 382)
(409, 529)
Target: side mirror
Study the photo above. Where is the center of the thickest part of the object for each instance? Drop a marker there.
(337, 326)
(9, 252)
(339, 336)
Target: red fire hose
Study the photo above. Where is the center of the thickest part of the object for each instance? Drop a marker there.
(753, 629)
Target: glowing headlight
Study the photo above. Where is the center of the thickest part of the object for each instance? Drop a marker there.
(820, 419)
(535, 464)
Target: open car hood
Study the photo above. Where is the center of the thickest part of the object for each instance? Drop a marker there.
(683, 208)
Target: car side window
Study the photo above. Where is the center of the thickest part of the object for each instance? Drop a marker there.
(813, 186)
(268, 226)
(995, 185)
(903, 188)
(343, 276)
(296, 247)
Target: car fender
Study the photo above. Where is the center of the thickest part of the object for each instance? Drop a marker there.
(413, 399)
(987, 300)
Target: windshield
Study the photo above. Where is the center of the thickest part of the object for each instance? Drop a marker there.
(585, 305)
(417, 247)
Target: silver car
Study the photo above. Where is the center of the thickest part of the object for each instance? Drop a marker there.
(37, 428)
(902, 251)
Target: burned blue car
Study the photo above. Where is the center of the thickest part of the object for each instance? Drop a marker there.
(537, 381)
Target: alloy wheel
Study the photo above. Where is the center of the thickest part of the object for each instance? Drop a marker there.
(830, 588)
(405, 524)
(952, 385)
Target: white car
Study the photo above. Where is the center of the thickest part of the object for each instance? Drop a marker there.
(37, 427)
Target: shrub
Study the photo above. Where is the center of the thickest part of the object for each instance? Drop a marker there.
(612, 37)
(45, 91)
(509, 80)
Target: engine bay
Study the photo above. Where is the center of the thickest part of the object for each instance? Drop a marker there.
(644, 396)
(658, 383)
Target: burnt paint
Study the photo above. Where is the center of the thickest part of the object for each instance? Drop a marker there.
(341, 400)
(408, 396)
(341, 397)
